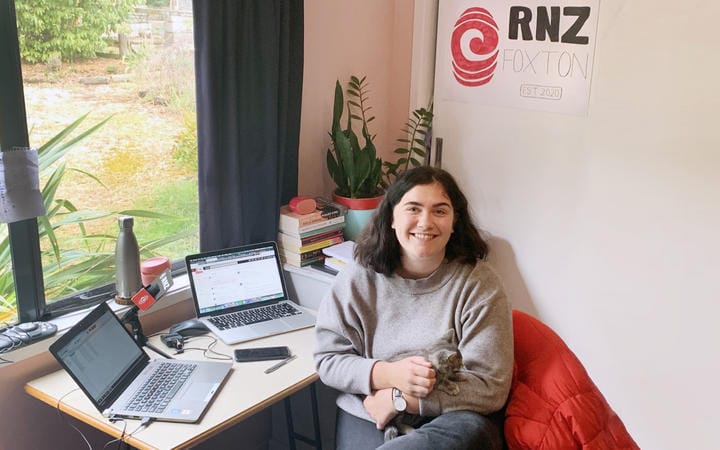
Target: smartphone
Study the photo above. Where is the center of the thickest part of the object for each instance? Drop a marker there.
(261, 353)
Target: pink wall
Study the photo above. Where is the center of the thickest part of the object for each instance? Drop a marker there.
(343, 38)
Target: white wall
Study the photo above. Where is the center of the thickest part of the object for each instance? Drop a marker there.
(606, 226)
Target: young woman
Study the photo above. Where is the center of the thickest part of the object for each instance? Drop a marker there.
(419, 271)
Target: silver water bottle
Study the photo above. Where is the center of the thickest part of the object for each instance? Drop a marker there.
(127, 262)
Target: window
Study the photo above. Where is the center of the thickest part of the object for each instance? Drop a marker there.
(129, 91)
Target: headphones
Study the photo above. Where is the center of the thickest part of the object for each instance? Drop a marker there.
(173, 340)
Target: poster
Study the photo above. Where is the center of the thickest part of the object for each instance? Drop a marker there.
(532, 54)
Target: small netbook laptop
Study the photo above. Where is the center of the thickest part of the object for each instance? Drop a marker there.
(120, 379)
(240, 293)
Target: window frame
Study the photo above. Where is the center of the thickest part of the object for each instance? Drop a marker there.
(24, 236)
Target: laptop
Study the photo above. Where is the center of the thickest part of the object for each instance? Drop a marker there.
(115, 373)
(240, 293)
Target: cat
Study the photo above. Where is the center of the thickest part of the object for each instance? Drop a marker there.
(447, 362)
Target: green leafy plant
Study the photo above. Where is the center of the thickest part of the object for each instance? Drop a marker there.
(70, 28)
(356, 170)
(414, 144)
(77, 263)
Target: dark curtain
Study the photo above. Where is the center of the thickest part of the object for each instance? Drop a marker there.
(248, 67)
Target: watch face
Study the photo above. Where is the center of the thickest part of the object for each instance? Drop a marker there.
(398, 401)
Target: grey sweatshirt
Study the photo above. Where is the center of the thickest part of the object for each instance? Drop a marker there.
(367, 317)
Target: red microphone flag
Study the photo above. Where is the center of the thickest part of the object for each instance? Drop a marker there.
(143, 299)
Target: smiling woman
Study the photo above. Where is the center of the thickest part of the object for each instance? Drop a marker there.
(419, 277)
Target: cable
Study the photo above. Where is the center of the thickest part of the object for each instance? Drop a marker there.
(208, 351)
(62, 417)
(119, 440)
(143, 423)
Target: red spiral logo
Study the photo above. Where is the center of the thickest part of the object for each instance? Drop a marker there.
(473, 46)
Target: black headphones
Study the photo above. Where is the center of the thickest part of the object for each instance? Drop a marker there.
(173, 340)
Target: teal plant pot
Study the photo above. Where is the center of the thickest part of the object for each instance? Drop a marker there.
(360, 211)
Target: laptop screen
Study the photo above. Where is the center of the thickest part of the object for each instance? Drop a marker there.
(98, 352)
(232, 278)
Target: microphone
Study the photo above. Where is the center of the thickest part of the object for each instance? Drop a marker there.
(148, 295)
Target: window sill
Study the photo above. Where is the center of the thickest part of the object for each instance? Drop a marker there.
(179, 292)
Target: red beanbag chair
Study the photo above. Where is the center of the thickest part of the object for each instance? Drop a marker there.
(553, 403)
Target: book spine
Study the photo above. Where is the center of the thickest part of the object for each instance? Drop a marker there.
(321, 244)
(293, 219)
(336, 227)
(294, 256)
(305, 262)
(317, 225)
(295, 241)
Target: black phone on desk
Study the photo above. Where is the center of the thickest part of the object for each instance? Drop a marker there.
(262, 353)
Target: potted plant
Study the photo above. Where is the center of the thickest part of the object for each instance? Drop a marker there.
(355, 169)
(360, 176)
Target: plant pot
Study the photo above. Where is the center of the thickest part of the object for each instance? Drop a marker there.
(360, 210)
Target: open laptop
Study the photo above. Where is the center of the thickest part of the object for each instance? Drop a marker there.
(112, 369)
(240, 293)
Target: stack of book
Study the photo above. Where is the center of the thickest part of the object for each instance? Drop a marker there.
(302, 237)
(338, 256)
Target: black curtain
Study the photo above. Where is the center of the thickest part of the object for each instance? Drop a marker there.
(248, 67)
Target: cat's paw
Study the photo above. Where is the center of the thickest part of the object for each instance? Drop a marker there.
(391, 432)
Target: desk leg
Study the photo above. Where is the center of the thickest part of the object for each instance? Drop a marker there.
(292, 435)
(289, 421)
(316, 416)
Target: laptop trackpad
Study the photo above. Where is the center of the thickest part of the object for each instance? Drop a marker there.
(273, 326)
(201, 392)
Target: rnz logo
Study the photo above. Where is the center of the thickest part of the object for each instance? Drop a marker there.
(474, 47)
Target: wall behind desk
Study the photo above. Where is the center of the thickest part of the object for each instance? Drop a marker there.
(606, 225)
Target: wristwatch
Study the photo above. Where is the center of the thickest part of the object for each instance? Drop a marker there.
(398, 400)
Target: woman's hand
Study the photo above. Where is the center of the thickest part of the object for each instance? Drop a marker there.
(414, 376)
(380, 407)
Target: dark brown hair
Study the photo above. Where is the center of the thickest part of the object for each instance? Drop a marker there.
(377, 246)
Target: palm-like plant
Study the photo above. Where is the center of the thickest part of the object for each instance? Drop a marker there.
(414, 144)
(78, 263)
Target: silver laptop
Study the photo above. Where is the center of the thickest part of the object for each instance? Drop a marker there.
(240, 293)
(120, 379)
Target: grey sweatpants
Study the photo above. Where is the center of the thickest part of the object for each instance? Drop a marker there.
(456, 430)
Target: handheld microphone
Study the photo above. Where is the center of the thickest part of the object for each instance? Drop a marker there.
(148, 295)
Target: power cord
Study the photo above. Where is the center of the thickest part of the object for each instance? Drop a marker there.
(208, 351)
(62, 417)
(143, 423)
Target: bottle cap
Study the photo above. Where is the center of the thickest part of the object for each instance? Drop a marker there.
(125, 221)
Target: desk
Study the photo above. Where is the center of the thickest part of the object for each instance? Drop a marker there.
(247, 390)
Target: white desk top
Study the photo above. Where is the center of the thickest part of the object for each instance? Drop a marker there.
(246, 391)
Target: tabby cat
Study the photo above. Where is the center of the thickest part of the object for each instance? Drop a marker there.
(447, 362)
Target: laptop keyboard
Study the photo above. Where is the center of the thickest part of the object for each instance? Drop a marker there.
(160, 388)
(255, 315)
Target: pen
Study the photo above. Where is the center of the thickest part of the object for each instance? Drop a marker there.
(280, 364)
